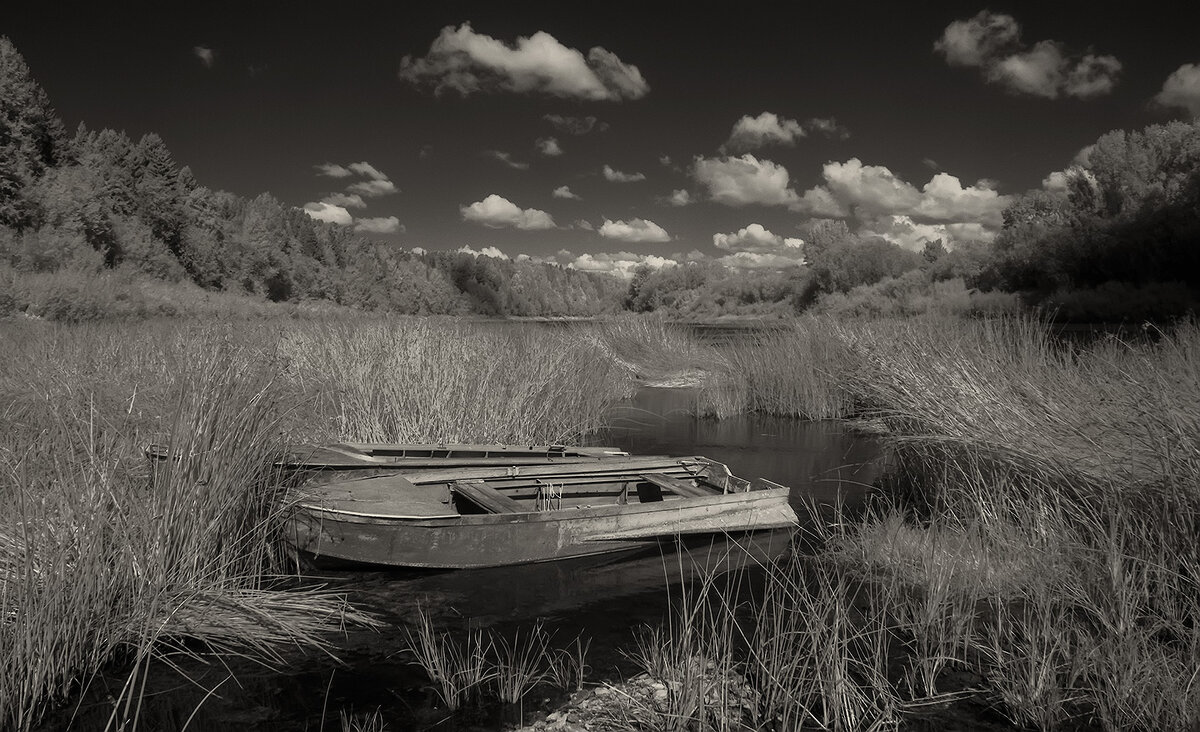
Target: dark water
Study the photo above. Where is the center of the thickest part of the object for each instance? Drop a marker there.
(602, 599)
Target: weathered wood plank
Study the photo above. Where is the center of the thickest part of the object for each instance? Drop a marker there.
(487, 498)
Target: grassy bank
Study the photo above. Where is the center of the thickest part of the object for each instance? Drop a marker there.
(106, 566)
(1036, 549)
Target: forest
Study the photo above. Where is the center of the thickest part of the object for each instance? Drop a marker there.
(1117, 239)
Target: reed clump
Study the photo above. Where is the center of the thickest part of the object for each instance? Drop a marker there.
(436, 381)
(465, 666)
(103, 560)
(1056, 486)
(797, 371)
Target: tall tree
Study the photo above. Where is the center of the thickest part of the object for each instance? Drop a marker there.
(32, 137)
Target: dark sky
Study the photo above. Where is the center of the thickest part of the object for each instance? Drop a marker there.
(253, 98)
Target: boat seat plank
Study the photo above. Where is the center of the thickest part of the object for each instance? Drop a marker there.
(487, 497)
(389, 496)
(677, 486)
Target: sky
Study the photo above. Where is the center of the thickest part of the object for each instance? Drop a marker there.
(626, 132)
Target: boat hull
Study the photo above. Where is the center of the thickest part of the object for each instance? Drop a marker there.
(494, 540)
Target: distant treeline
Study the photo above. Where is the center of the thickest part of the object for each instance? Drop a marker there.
(99, 200)
(1117, 239)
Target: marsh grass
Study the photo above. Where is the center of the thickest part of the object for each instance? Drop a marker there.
(653, 350)
(462, 665)
(438, 381)
(108, 563)
(793, 372)
(105, 562)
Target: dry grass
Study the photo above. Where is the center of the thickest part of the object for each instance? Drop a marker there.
(104, 562)
(446, 381)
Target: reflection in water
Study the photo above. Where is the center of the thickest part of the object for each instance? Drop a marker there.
(817, 459)
(601, 598)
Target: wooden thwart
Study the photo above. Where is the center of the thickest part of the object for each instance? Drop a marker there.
(487, 497)
(677, 486)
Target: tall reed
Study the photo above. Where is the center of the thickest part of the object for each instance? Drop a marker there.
(102, 561)
(446, 381)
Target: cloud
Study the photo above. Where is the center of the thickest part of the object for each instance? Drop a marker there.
(756, 239)
(206, 55)
(565, 192)
(1182, 89)
(868, 191)
(616, 176)
(464, 61)
(679, 197)
(548, 146)
(584, 224)
(751, 133)
(375, 185)
(498, 212)
(333, 170)
(904, 232)
(492, 252)
(345, 200)
(621, 264)
(368, 170)
(380, 225)
(758, 260)
(328, 213)
(506, 159)
(575, 125)
(1048, 69)
(633, 230)
(372, 188)
(739, 181)
(827, 126)
(975, 41)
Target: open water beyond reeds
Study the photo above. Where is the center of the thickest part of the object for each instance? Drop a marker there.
(601, 600)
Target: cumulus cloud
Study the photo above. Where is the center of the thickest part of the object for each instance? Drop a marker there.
(549, 147)
(328, 213)
(679, 197)
(464, 61)
(871, 191)
(565, 192)
(379, 225)
(333, 170)
(827, 126)
(1182, 89)
(575, 125)
(758, 260)
(621, 264)
(206, 55)
(616, 176)
(902, 231)
(756, 239)
(372, 188)
(768, 128)
(633, 230)
(751, 133)
(739, 181)
(992, 42)
(506, 159)
(584, 224)
(499, 212)
(977, 40)
(492, 252)
(346, 200)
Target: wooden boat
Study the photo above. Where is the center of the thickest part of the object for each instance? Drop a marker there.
(495, 515)
(367, 455)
